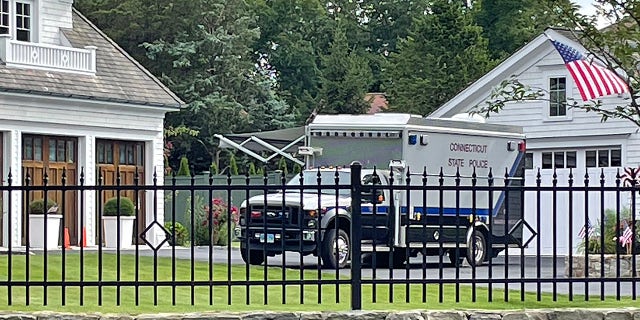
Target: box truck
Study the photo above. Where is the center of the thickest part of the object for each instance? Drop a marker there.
(431, 186)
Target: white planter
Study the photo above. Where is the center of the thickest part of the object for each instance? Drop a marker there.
(111, 231)
(36, 230)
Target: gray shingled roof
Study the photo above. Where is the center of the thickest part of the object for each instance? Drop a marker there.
(119, 78)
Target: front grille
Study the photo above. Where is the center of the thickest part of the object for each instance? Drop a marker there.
(275, 215)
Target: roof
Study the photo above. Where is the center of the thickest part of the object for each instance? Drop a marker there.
(118, 78)
(514, 65)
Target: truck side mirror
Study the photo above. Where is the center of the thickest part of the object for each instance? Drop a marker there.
(368, 196)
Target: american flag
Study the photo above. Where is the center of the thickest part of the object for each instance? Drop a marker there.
(593, 81)
(626, 236)
(582, 232)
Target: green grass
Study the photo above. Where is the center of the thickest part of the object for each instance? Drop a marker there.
(274, 293)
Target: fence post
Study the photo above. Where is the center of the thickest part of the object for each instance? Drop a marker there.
(356, 236)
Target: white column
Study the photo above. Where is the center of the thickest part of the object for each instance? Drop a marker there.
(154, 164)
(87, 160)
(13, 161)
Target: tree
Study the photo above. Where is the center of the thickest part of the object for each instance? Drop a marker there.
(614, 47)
(444, 52)
(211, 67)
(346, 76)
(509, 24)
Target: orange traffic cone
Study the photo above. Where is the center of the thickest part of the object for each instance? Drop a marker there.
(84, 237)
(67, 242)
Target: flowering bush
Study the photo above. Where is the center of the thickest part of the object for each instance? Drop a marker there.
(221, 215)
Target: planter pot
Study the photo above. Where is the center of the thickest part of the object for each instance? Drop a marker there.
(36, 230)
(596, 265)
(111, 231)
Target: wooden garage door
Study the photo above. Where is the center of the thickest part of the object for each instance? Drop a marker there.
(128, 158)
(53, 155)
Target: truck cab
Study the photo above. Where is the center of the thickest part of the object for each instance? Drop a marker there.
(312, 215)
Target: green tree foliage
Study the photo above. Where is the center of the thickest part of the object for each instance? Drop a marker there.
(444, 52)
(212, 69)
(294, 34)
(509, 24)
(184, 167)
(346, 76)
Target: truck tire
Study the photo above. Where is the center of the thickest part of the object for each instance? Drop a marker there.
(253, 257)
(456, 257)
(476, 249)
(328, 251)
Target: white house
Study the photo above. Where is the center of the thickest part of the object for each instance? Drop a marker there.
(559, 138)
(71, 99)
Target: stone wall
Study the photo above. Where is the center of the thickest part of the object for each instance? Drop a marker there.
(559, 314)
(596, 264)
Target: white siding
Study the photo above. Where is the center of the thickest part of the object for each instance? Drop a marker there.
(88, 121)
(53, 15)
(578, 132)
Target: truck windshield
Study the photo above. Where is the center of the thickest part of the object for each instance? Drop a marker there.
(327, 178)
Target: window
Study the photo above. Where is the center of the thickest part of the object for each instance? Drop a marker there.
(17, 18)
(53, 149)
(603, 158)
(559, 159)
(23, 21)
(4, 16)
(528, 160)
(558, 97)
(120, 152)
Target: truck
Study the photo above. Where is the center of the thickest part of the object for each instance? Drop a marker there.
(414, 171)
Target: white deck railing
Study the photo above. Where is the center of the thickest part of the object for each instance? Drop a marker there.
(46, 56)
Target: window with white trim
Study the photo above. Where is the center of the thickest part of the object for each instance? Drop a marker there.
(604, 157)
(17, 19)
(4, 16)
(559, 159)
(557, 97)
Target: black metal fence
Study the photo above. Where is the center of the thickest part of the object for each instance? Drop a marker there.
(354, 235)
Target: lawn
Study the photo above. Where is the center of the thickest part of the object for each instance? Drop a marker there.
(161, 298)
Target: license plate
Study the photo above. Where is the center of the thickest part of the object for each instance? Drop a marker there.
(271, 238)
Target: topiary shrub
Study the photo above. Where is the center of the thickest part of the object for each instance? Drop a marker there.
(184, 167)
(214, 168)
(233, 165)
(252, 169)
(297, 168)
(37, 206)
(282, 166)
(181, 237)
(111, 207)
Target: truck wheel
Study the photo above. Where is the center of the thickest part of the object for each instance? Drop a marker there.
(253, 257)
(476, 249)
(456, 257)
(335, 238)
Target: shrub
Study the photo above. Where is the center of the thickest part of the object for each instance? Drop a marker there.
(184, 167)
(111, 207)
(594, 241)
(213, 168)
(37, 206)
(297, 168)
(252, 169)
(181, 237)
(233, 165)
(282, 165)
(221, 217)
